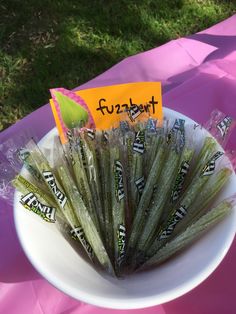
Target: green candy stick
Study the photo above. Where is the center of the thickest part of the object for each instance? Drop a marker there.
(105, 171)
(86, 221)
(208, 147)
(157, 204)
(213, 187)
(83, 184)
(192, 233)
(54, 186)
(178, 185)
(45, 206)
(118, 208)
(137, 178)
(140, 216)
(93, 178)
(36, 200)
(188, 198)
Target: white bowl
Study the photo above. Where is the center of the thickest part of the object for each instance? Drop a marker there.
(56, 261)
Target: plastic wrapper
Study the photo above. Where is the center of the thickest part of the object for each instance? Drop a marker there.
(192, 233)
(163, 190)
(137, 175)
(43, 205)
(220, 126)
(7, 173)
(142, 209)
(188, 198)
(73, 208)
(129, 194)
(158, 188)
(93, 173)
(153, 133)
(106, 189)
(118, 206)
(78, 162)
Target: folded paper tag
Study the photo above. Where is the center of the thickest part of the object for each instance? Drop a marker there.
(103, 107)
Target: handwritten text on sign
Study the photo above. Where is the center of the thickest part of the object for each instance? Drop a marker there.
(108, 104)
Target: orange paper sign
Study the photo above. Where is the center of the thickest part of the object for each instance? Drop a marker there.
(109, 104)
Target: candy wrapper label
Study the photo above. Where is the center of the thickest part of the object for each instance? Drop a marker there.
(120, 192)
(139, 142)
(78, 234)
(180, 180)
(220, 126)
(31, 202)
(49, 178)
(121, 235)
(210, 166)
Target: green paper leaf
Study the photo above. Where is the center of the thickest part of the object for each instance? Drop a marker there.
(72, 113)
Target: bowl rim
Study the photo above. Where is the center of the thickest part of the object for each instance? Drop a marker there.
(131, 303)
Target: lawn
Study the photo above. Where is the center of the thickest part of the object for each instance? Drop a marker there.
(49, 43)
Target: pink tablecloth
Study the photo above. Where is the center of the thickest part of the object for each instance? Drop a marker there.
(198, 74)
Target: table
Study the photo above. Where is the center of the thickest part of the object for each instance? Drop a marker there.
(198, 74)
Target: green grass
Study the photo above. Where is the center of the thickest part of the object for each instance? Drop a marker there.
(49, 43)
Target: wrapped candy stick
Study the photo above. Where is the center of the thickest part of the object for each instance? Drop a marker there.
(137, 176)
(190, 195)
(93, 177)
(45, 206)
(140, 216)
(126, 136)
(213, 187)
(183, 169)
(66, 206)
(78, 162)
(220, 126)
(208, 147)
(35, 199)
(192, 233)
(175, 142)
(118, 208)
(105, 177)
(53, 184)
(199, 206)
(152, 135)
(87, 224)
(157, 204)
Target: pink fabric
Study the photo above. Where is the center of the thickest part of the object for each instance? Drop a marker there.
(198, 74)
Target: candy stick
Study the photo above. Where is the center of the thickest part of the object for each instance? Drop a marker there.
(183, 169)
(35, 200)
(83, 185)
(177, 188)
(209, 146)
(137, 179)
(118, 208)
(54, 186)
(176, 140)
(152, 134)
(140, 216)
(220, 126)
(93, 176)
(190, 195)
(86, 221)
(157, 204)
(128, 161)
(192, 233)
(199, 206)
(105, 176)
(51, 181)
(44, 205)
(213, 187)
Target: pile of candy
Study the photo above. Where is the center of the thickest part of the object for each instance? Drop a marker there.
(131, 196)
